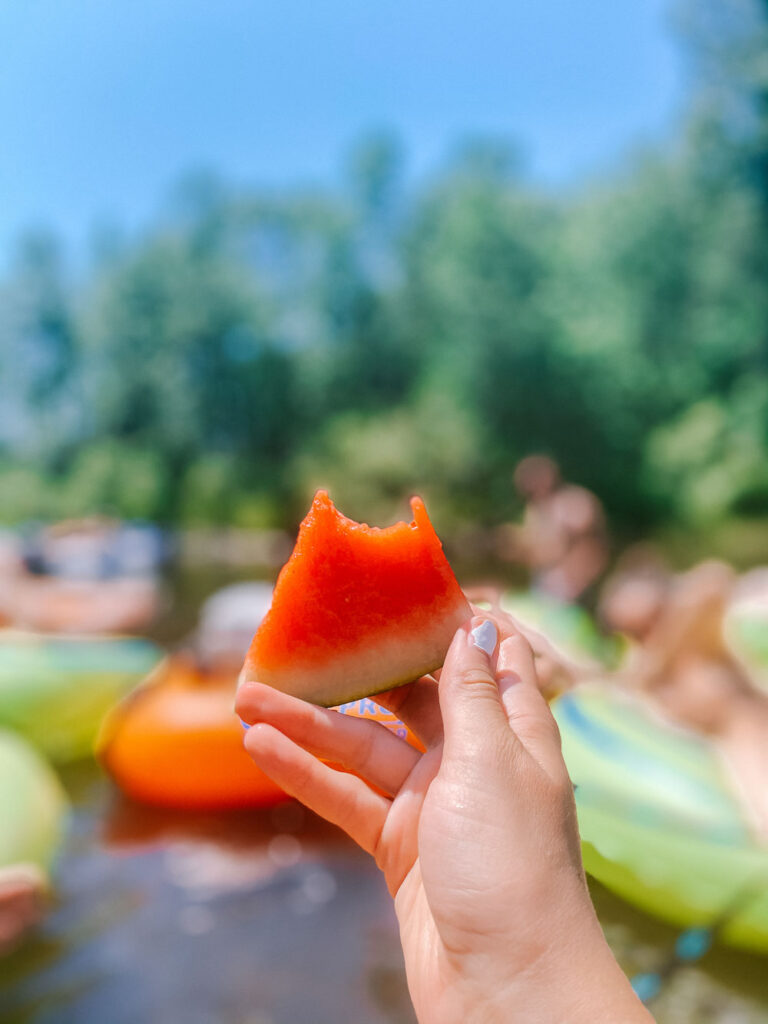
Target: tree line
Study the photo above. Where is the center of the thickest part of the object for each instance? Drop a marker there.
(385, 336)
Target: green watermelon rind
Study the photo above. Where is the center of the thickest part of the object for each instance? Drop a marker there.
(335, 684)
(346, 696)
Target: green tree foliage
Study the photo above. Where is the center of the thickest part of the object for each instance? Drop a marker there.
(38, 355)
(384, 338)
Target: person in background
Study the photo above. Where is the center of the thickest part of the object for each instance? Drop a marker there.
(681, 658)
(562, 538)
(476, 836)
(88, 575)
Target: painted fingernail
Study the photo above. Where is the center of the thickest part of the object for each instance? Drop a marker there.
(485, 636)
(244, 724)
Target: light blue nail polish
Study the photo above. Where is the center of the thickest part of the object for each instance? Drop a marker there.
(485, 637)
(244, 724)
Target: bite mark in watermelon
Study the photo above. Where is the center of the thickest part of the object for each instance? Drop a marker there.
(357, 609)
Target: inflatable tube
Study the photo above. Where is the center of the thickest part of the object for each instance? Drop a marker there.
(746, 632)
(32, 805)
(659, 825)
(56, 690)
(176, 742)
(78, 606)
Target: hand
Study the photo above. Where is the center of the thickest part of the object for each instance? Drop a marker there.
(476, 837)
(22, 901)
(555, 670)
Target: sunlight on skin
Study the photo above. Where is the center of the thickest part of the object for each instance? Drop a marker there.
(477, 837)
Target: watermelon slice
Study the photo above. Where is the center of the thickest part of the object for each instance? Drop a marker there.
(357, 610)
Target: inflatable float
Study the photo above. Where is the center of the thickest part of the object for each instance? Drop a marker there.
(96, 607)
(746, 632)
(56, 690)
(176, 742)
(658, 823)
(33, 806)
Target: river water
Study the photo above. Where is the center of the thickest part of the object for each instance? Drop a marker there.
(257, 918)
(265, 918)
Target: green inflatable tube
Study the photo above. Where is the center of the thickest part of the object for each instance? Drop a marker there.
(658, 823)
(56, 690)
(746, 630)
(33, 806)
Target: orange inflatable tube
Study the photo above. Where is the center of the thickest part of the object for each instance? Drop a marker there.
(176, 742)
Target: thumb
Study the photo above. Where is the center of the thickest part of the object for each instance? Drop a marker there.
(470, 703)
(527, 711)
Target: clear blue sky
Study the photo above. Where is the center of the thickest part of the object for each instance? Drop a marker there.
(104, 103)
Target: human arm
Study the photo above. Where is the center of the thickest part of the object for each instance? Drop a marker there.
(476, 837)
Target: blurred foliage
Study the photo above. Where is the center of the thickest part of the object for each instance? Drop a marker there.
(382, 338)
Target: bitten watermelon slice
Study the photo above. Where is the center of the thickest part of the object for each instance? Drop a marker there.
(357, 610)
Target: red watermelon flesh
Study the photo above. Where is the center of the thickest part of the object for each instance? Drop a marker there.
(357, 609)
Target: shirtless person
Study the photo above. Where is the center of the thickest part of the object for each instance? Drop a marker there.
(562, 538)
(683, 660)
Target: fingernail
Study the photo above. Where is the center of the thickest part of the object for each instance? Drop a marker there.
(244, 724)
(485, 636)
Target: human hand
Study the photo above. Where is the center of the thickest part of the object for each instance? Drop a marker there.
(22, 901)
(556, 671)
(476, 837)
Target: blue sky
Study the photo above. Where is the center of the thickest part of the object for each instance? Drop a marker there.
(104, 103)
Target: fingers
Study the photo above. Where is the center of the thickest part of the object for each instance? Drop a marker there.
(416, 704)
(360, 745)
(485, 692)
(552, 665)
(342, 799)
(526, 709)
(469, 695)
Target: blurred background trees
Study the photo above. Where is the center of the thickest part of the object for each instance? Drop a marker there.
(388, 336)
